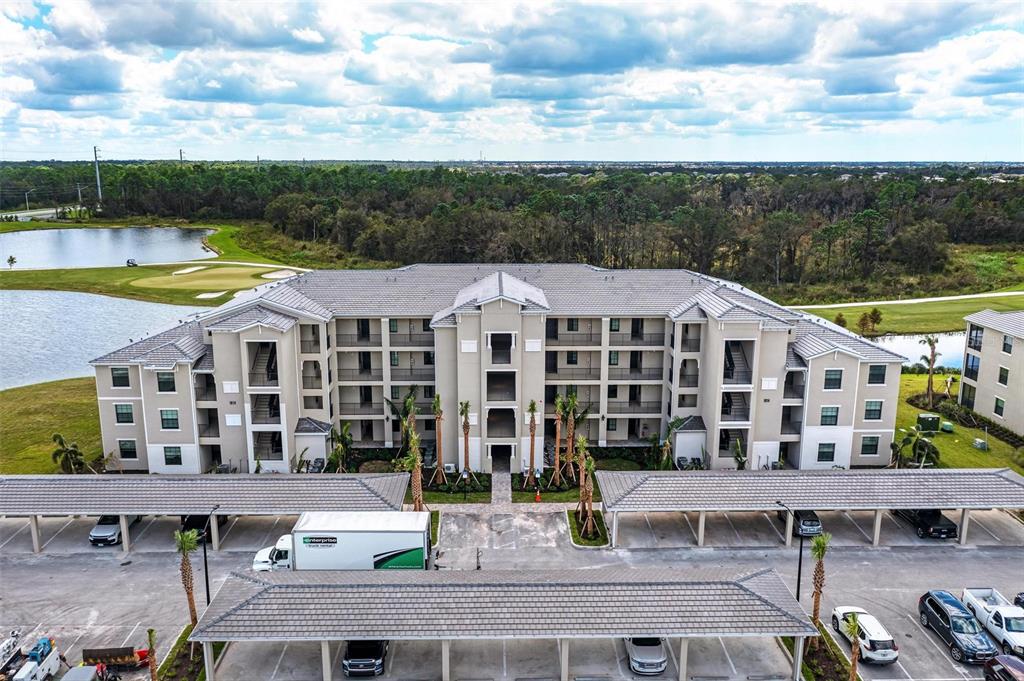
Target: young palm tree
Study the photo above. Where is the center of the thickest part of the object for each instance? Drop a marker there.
(185, 543)
(412, 462)
(819, 547)
(929, 360)
(464, 413)
(438, 477)
(342, 440)
(570, 433)
(556, 477)
(151, 658)
(400, 412)
(67, 455)
(851, 627)
(585, 509)
(531, 478)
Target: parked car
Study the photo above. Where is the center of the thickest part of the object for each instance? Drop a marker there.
(1003, 620)
(876, 644)
(1004, 668)
(647, 655)
(929, 522)
(1019, 599)
(107, 531)
(364, 658)
(805, 523)
(198, 523)
(956, 626)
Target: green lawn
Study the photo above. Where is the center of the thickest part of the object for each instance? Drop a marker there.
(602, 532)
(955, 449)
(925, 317)
(29, 416)
(435, 526)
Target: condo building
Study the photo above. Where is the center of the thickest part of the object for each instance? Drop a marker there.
(993, 373)
(258, 383)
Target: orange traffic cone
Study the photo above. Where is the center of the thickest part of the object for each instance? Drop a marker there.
(536, 495)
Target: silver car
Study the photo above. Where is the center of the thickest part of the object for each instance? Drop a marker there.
(647, 655)
(108, 530)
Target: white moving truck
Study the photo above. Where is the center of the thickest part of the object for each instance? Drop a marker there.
(358, 540)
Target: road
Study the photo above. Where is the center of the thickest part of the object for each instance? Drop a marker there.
(35, 213)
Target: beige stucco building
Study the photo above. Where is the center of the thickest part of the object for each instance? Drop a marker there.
(993, 373)
(259, 381)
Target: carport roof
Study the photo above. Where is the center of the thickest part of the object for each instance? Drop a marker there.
(197, 494)
(825, 490)
(501, 604)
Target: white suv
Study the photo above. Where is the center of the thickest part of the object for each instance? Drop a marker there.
(876, 645)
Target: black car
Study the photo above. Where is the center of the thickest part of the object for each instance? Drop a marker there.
(805, 523)
(1004, 668)
(956, 626)
(198, 523)
(929, 522)
(364, 658)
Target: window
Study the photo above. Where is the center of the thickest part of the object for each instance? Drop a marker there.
(119, 377)
(974, 335)
(613, 392)
(396, 392)
(876, 374)
(826, 452)
(613, 358)
(426, 325)
(394, 358)
(428, 392)
(829, 416)
(972, 366)
(613, 324)
(967, 394)
(126, 449)
(428, 358)
(172, 456)
(1004, 376)
(165, 381)
(613, 425)
(873, 410)
(833, 379)
(393, 325)
(169, 419)
(124, 414)
(572, 357)
(429, 424)
(1008, 344)
(572, 324)
(869, 445)
(1000, 406)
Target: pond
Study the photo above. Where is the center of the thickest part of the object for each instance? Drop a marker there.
(102, 247)
(50, 335)
(950, 347)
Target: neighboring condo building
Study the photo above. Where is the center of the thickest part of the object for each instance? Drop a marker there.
(259, 381)
(993, 374)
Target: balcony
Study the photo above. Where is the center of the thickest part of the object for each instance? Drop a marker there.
(573, 374)
(616, 374)
(501, 386)
(688, 380)
(501, 423)
(419, 340)
(636, 339)
(309, 347)
(737, 377)
(357, 340)
(312, 382)
(574, 338)
(206, 392)
(790, 427)
(268, 452)
(689, 345)
(793, 392)
(261, 379)
(643, 407)
(266, 409)
(736, 414)
(209, 430)
(412, 374)
(370, 374)
(375, 408)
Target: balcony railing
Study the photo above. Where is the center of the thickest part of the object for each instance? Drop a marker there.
(688, 380)
(356, 340)
(636, 339)
(372, 374)
(690, 345)
(263, 416)
(412, 339)
(736, 414)
(574, 338)
(790, 427)
(267, 452)
(644, 407)
(312, 382)
(793, 392)
(309, 347)
(581, 405)
(737, 377)
(263, 379)
(361, 408)
(416, 374)
(635, 374)
(573, 374)
(205, 393)
(501, 428)
(209, 430)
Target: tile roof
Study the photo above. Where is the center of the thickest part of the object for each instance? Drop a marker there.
(266, 494)
(311, 425)
(253, 316)
(825, 490)
(693, 424)
(489, 604)
(1010, 323)
(205, 363)
(182, 343)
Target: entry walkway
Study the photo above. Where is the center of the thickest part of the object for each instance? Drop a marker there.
(501, 488)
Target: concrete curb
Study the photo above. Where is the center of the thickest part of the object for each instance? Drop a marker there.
(607, 545)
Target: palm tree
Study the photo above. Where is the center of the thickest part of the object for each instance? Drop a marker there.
(464, 413)
(439, 477)
(185, 543)
(531, 478)
(151, 658)
(412, 462)
(556, 477)
(819, 547)
(342, 440)
(67, 455)
(851, 627)
(400, 411)
(930, 359)
(585, 510)
(11, 260)
(570, 433)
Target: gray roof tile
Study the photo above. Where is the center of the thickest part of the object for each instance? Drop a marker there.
(256, 315)
(1010, 323)
(181, 343)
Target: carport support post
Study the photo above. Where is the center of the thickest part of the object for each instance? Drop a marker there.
(208, 660)
(215, 535)
(702, 520)
(876, 535)
(126, 538)
(789, 529)
(798, 657)
(33, 526)
(563, 652)
(615, 528)
(965, 520)
(684, 649)
(325, 657)
(446, 660)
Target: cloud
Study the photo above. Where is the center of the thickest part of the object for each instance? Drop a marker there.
(80, 75)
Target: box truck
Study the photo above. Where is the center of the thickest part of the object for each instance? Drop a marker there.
(370, 540)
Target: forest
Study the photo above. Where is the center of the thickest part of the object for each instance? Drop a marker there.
(776, 227)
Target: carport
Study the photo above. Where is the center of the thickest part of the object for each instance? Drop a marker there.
(878, 490)
(242, 495)
(451, 606)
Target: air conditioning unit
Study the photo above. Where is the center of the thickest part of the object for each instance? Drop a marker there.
(449, 468)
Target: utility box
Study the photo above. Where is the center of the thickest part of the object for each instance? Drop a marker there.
(928, 422)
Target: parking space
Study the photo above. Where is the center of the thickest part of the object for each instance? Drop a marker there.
(503, 530)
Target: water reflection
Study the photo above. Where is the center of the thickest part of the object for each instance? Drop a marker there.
(104, 247)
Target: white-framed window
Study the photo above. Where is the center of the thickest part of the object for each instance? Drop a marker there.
(1000, 406)
(127, 449)
(1008, 344)
(613, 425)
(1004, 376)
(169, 419)
(614, 324)
(124, 414)
(613, 358)
(572, 324)
(873, 410)
(830, 416)
(826, 452)
(869, 445)
(394, 358)
(876, 374)
(172, 456)
(833, 379)
(120, 378)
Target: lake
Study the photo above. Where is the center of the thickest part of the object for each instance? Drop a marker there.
(951, 347)
(102, 247)
(50, 335)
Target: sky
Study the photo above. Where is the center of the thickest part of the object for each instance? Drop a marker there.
(433, 81)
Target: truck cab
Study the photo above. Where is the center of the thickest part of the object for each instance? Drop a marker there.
(276, 557)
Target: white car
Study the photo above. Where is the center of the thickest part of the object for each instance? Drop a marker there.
(647, 654)
(876, 644)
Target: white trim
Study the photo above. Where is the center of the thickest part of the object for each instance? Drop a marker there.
(994, 398)
(125, 423)
(880, 418)
(824, 377)
(998, 382)
(119, 399)
(127, 439)
(839, 410)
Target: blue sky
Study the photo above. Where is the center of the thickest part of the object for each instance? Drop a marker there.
(829, 80)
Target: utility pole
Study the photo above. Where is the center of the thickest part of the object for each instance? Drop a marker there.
(257, 163)
(181, 155)
(79, 185)
(26, 198)
(96, 163)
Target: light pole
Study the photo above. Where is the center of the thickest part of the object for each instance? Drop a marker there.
(26, 198)
(800, 558)
(206, 566)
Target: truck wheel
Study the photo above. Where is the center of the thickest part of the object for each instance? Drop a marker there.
(1007, 649)
(924, 620)
(835, 623)
(956, 653)
(920, 533)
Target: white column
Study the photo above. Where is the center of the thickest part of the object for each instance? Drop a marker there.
(684, 649)
(214, 533)
(325, 657)
(876, 536)
(33, 526)
(563, 651)
(615, 528)
(446, 660)
(789, 529)
(702, 520)
(965, 520)
(798, 657)
(208, 660)
(126, 540)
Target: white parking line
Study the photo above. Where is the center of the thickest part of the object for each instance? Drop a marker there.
(270, 531)
(278, 665)
(230, 527)
(686, 517)
(903, 669)
(734, 530)
(11, 538)
(854, 523)
(47, 542)
(144, 529)
(504, 659)
(130, 634)
(772, 525)
(990, 532)
(728, 657)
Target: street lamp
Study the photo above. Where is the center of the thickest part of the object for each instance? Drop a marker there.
(26, 198)
(206, 566)
(800, 559)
